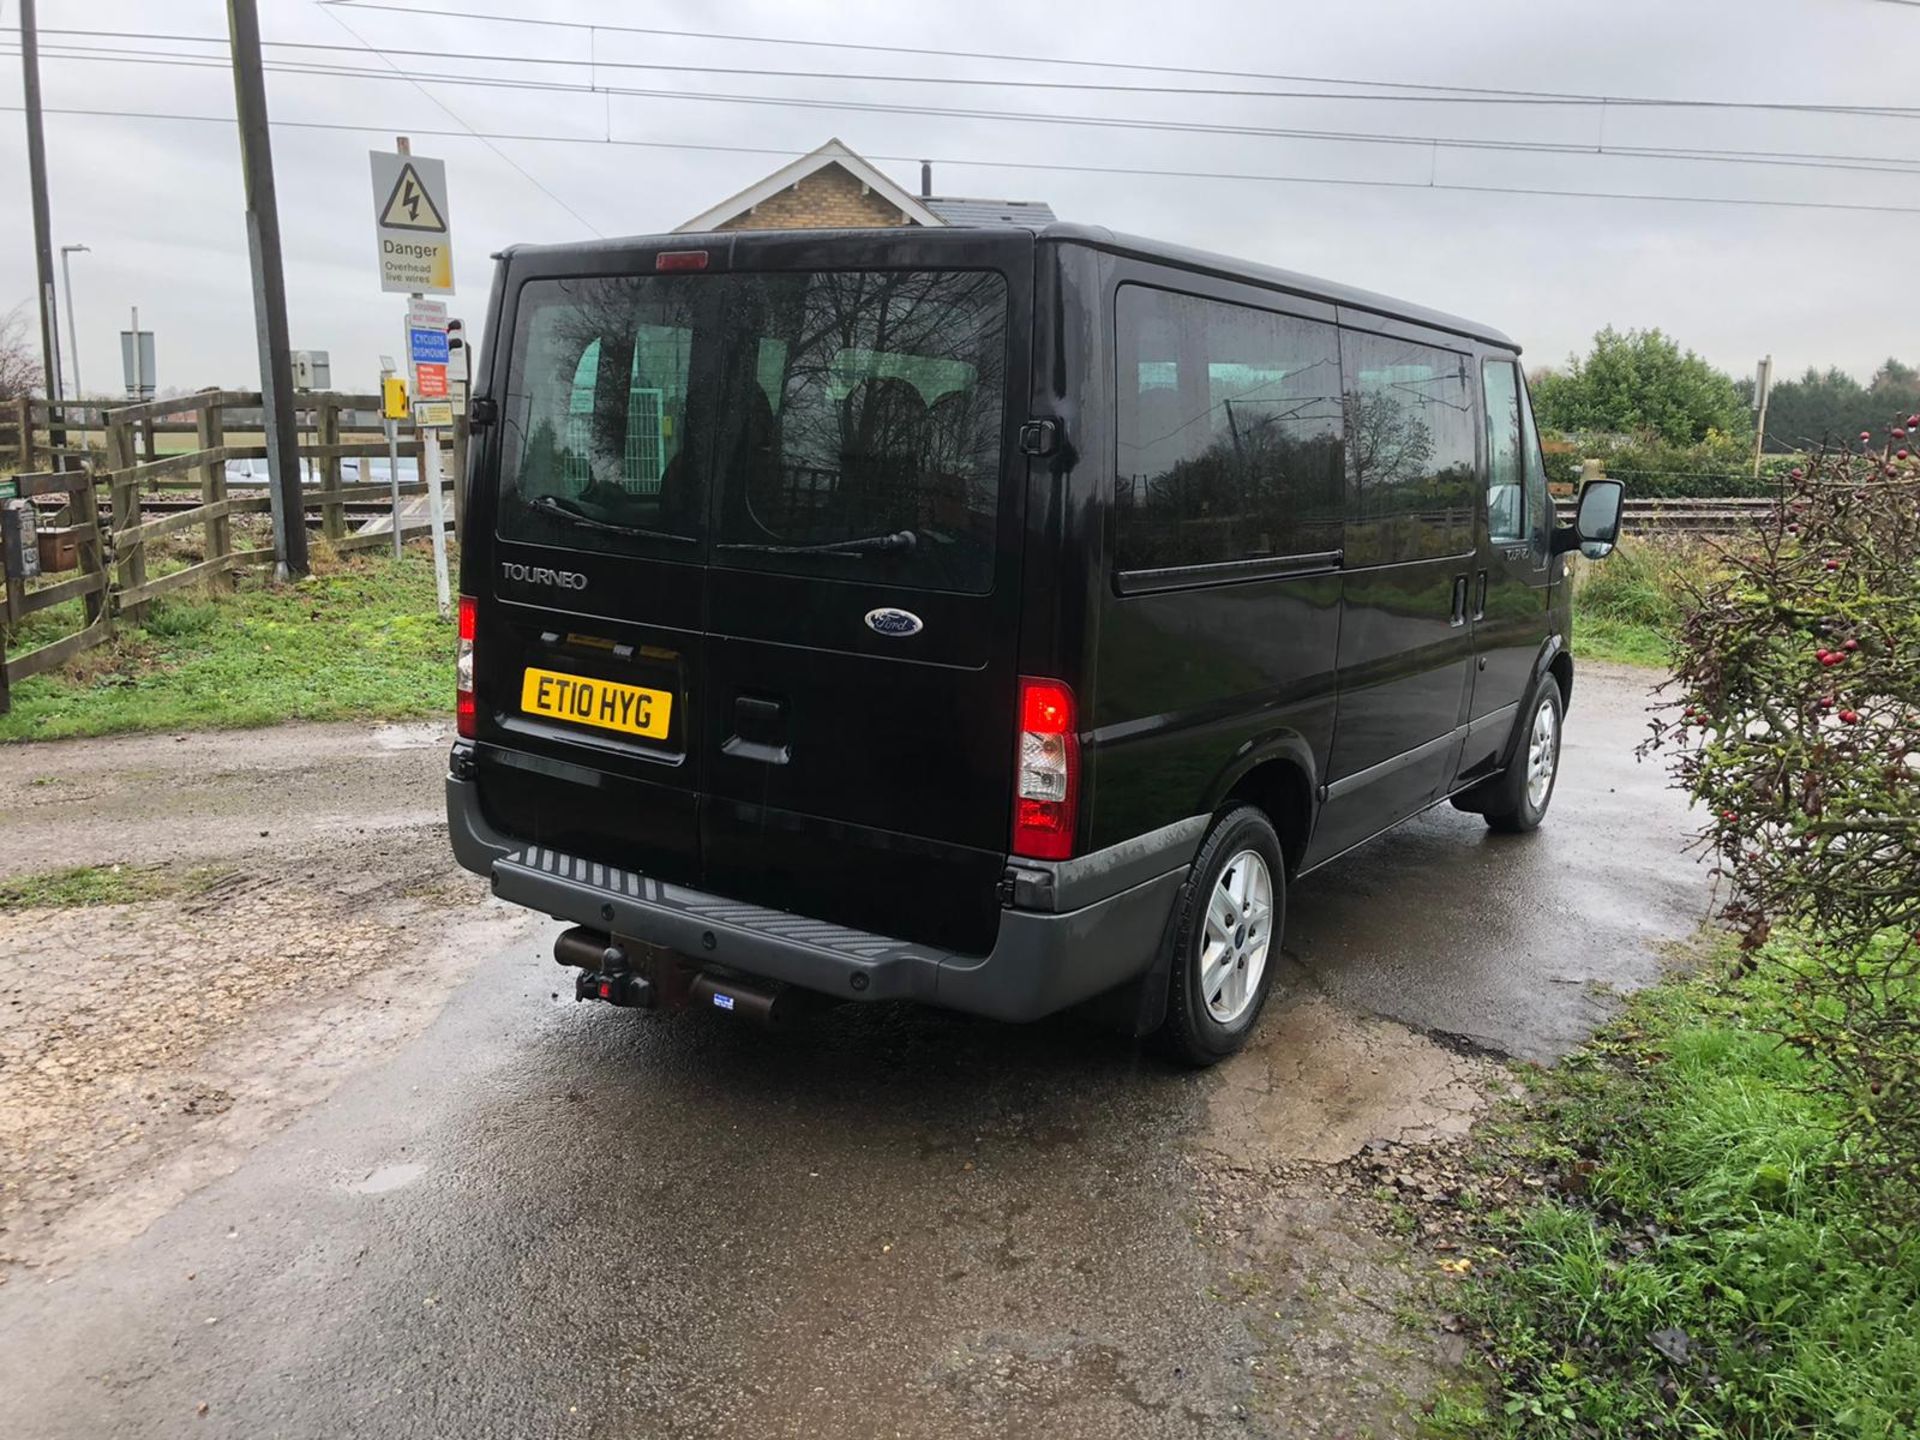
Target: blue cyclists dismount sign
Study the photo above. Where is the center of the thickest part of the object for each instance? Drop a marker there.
(427, 347)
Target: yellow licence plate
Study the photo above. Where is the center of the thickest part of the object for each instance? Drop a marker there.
(605, 704)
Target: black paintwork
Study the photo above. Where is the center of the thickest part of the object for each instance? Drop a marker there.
(816, 766)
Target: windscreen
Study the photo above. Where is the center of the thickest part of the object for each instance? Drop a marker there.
(836, 423)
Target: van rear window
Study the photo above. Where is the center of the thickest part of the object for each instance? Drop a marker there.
(838, 423)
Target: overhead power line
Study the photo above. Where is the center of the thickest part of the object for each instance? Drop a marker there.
(1032, 165)
(446, 110)
(1456, 95)
(1057, 62)
(1872, 164)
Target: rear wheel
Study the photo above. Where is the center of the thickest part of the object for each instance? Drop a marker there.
(1227, 939)
(1527, 787)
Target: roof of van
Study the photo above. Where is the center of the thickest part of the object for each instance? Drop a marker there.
(1100, 237)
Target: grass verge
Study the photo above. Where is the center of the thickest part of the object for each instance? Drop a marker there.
(1626, 607)
(359, 639)
(1700, 1262)
(103, 885)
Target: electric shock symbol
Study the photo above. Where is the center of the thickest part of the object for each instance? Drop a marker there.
(411, 207)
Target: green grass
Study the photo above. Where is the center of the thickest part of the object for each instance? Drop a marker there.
(102, 885)
(360, 641)
(1708, 1209)
(1627, 607)
(1620, 642)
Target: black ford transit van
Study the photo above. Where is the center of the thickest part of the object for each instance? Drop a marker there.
(993, 618)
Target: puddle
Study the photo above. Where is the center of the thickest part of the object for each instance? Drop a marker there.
(1318, 1082)
(420, 736)
(388, 1178)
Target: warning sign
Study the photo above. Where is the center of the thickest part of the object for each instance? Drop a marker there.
(430, 381)
(410, 220)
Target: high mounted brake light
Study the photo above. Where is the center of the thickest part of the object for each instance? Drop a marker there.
(465, 711)
(1047, 771)
(680, 260)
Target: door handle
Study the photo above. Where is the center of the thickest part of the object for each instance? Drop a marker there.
(1480, 598)
(1459, 615)
(759, 731)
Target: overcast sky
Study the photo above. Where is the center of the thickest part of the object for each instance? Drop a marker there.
(160, 201)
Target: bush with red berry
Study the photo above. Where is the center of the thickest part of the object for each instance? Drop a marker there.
(1795, 725)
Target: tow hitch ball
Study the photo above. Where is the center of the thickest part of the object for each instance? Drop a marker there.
(605, 971)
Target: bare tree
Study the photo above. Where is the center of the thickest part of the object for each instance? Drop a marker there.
(19, 355)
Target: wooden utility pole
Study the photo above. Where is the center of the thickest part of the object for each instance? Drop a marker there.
(269, 292)
(1762, 392)
(42, 223)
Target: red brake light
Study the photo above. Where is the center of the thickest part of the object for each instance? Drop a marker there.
(1047, 771)
(465, 710)
(680, 260)
(1046, 707)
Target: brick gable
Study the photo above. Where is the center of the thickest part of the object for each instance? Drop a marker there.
(828, 199)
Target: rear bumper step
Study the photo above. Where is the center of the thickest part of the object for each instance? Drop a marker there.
(1040, 963)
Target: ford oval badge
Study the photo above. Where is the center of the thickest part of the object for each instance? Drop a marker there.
(888, 621)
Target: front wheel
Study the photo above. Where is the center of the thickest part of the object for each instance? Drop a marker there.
(1528, 787)
(1232, 914)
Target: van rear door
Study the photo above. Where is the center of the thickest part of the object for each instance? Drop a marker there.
(755, 602)
(586, 558)
(863, 582)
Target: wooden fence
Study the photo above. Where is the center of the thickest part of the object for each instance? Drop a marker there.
(117, 498)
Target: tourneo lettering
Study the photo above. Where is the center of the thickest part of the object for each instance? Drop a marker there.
(542, 575)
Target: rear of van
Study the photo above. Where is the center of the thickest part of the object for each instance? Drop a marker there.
(741, 616)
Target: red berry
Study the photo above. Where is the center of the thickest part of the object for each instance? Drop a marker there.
(1913, 422)
(1729, 814)
(1899, 454)
(1833, 564)
(1826, 702)
(1866, 435)
(1850, 717)
(1798, 473)
(1850, 644)
(1899, 433)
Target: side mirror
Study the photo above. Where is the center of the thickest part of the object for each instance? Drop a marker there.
(1596, 522)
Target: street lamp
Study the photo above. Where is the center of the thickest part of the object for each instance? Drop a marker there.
(73, 344)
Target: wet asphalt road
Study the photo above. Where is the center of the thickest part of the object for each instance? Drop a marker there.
(542, 1219)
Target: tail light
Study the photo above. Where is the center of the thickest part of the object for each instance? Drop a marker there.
(464, 709)
(1047, 784)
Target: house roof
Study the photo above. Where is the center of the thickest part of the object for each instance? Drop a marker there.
(834, 152)
(959, 210)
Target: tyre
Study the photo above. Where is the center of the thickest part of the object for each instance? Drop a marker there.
(1226, 939)
(1523, 793)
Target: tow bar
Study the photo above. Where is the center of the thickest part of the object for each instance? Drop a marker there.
(606, 972)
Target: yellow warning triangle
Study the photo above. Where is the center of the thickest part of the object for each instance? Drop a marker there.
(410, 207)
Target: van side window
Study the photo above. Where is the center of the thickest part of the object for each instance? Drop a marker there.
(1229, 432)
(1506, 473)
(1411, 450)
